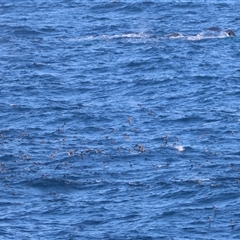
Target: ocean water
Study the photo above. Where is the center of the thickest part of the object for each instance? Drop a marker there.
(112, 127)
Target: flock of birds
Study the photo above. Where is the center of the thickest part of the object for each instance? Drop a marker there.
(20, 146)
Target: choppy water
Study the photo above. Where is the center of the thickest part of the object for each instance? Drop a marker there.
(109, 129)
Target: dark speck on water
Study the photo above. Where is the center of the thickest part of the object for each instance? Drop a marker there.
(119, 119)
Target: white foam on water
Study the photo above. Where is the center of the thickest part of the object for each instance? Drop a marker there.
(180, 148)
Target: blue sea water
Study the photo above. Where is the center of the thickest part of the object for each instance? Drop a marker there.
(111, 127)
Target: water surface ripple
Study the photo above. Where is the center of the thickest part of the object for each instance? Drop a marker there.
(112, 129)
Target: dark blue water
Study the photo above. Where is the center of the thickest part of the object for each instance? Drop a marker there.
(111, 129)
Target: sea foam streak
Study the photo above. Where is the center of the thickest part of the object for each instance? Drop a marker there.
(201, 36)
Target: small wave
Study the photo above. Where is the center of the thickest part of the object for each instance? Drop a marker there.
(24, 30)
